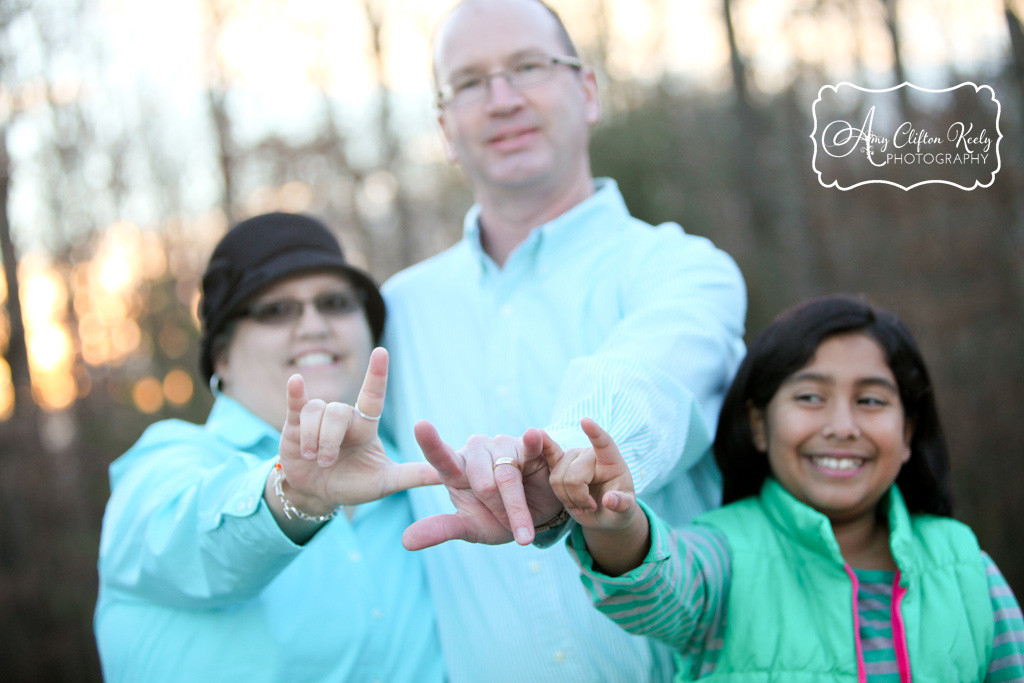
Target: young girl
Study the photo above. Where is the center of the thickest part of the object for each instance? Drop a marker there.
(834, 557)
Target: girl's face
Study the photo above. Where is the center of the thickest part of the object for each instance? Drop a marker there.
(835, 432)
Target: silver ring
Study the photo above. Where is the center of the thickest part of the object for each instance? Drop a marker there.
(364, 415)
(507, 461)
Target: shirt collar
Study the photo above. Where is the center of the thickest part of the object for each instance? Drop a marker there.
(813, 530)
(232, 423)
(600, 212)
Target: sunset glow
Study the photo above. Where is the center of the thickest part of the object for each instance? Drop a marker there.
(105, 304)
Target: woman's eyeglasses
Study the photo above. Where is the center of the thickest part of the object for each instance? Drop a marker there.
(283, 311)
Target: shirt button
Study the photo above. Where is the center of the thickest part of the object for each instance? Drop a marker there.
(354, 556)
(376, 614)
(506, 311)
(502, 390)
(535, 567)
(559, 656)
(241, 506)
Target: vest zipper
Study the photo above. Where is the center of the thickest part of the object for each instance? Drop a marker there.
(899, 631)
(862, 676)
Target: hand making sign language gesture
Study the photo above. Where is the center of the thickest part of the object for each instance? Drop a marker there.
(596, 488)
(332, 456)
(499, 487)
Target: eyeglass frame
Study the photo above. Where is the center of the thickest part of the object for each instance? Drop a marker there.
(446, 93)
(253, 310)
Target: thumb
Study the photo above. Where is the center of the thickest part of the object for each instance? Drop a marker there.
(408, 475)
(296, 392)
(431, 531)
(618, 501)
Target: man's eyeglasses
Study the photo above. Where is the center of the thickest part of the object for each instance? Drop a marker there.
(283, 311)
(473, 87)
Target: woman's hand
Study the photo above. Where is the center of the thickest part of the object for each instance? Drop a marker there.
(331, 454)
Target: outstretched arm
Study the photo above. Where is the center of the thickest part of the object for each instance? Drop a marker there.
(331, 455)
(596, 488)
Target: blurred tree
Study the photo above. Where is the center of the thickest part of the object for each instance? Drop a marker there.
(19, 433)
(899, 67)
(218, 15)
(399, 212)
(16, 353)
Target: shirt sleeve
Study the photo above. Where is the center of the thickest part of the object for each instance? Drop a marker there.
(1007, 662)
(186, 524)
(656, 382)
(677, 595)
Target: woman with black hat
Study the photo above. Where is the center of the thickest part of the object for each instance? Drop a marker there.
(234, 550)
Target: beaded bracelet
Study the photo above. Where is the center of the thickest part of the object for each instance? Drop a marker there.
(292, 512)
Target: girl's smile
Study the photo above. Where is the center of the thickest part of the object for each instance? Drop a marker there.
(835, 431)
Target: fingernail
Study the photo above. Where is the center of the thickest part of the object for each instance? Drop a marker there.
(309, 455)
(522, 535)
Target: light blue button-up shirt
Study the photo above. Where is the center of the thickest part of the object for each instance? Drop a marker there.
(198, 583)
(595, 314)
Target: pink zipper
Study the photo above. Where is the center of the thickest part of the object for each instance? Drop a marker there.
(862, 676)
(899, 631)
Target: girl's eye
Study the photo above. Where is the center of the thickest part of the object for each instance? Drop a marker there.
(873, 401)
(809, 398)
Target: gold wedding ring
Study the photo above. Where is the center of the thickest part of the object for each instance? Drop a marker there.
(508, 461)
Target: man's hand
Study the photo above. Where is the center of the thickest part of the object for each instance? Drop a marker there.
(331, 454)
(499, 487)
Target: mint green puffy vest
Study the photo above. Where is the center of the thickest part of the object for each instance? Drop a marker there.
(790, 611)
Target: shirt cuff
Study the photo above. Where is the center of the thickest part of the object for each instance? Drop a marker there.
(248, 507)
(658, 553)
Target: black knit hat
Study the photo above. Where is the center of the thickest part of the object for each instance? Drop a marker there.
(261, 250)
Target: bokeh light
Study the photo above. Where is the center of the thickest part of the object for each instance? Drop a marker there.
(178, 387)
(148, 395)
(6, 391)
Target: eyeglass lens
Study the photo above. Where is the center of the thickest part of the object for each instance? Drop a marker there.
(328, 304)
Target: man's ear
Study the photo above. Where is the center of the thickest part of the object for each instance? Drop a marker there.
(449, 150)
(592, 109)
(758, 427)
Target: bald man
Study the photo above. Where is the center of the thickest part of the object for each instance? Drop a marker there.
(556, 305)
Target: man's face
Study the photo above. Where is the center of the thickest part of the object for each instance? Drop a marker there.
(532, 137)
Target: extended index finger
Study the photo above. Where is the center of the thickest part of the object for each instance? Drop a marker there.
(370, 401)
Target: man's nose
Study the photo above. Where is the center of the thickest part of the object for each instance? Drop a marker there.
(501, 94)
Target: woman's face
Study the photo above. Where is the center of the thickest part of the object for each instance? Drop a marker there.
(835, 431)
(328, 342)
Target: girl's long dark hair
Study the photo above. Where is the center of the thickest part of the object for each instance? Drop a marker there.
(787, 345)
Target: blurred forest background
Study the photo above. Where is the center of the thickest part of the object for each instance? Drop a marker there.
(133, 133)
